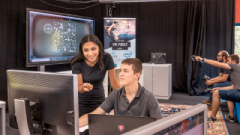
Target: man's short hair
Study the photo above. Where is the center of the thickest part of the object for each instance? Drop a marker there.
(235, 58)
(136, 64)
(224, 54)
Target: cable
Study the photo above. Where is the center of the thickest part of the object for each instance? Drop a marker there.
(77, 2)
(68, 8)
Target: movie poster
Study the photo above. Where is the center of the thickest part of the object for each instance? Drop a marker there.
(120, 38)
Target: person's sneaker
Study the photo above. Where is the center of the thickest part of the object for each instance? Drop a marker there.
(210, 118)
(230, 118)
(207, 102)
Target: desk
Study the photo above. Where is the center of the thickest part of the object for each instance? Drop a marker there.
(157, 78)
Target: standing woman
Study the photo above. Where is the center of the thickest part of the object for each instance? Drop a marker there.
(91, 64)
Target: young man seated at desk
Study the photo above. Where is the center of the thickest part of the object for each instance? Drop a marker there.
(132, 99)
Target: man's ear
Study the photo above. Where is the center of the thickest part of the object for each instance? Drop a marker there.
(225, 58)
(138, 75)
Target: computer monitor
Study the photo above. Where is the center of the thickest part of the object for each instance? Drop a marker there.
(192, 121)
(54, 38)
(43, 103)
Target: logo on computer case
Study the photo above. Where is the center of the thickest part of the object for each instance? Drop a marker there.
(121, 127)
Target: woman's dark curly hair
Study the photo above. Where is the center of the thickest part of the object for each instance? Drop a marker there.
(80, 56)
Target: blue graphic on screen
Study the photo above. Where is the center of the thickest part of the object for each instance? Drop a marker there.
(55, 37)
(194, 125)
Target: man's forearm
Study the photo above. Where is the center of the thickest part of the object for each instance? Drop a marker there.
(217, 64)
(213, 79)
(212, 62)
(221, 79)
(83, 120)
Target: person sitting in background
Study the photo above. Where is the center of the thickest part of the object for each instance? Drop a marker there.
(230, 93)
(223, 79)
(132, 99)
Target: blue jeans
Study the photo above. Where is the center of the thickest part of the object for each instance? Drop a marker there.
(221, 84)
(230, 95)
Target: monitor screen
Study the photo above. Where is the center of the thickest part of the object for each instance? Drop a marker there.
(192, 121)
(54, 38)
(55, 96)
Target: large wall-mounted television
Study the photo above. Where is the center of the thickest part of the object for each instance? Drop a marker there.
(54, 38)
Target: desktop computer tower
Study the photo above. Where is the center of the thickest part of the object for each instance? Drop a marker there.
(158, 58)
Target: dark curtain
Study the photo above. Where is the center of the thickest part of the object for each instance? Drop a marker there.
(196, 28)
(182, 29)
(179, 28)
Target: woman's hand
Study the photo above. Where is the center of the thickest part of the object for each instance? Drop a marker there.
(87, 87)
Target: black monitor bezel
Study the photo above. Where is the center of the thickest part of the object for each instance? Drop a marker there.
(35, 64)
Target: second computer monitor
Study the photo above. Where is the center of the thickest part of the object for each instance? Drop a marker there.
(192, 121)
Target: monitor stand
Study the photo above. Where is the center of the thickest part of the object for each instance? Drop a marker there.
(41, 68)
(24, 109)
(24, 122)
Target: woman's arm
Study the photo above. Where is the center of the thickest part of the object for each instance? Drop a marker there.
(113, 79)
(83, 87)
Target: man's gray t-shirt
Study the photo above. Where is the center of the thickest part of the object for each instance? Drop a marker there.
(235, 75)
(143, 104)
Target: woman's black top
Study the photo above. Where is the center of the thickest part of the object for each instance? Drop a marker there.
(89, 101)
